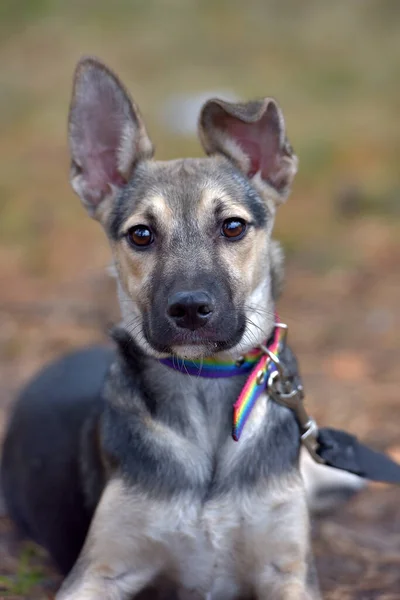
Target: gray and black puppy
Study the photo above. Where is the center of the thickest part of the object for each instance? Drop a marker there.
(122, 465)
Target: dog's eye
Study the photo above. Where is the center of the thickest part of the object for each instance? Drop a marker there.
(140, 236)
(233, 229)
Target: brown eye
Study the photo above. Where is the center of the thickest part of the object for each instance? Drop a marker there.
(140, 236)
(233, 229)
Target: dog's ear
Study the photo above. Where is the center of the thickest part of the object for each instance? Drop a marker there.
(106, 135)
(252, 135)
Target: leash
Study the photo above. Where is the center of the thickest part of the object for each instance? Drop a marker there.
(269, 373)
(332, 447)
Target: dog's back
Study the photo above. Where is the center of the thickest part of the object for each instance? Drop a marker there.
(42, 461)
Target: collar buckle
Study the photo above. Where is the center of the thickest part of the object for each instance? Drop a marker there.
(240, 361)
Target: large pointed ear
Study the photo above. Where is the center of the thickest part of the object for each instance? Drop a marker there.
(252, 135)
(106, 135)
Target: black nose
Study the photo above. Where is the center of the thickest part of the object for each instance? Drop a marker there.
(190, 310)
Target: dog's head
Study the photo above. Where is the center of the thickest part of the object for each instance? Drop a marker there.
(191, 238)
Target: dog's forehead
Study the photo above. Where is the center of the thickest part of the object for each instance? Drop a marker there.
(183, 183)
(184, 187)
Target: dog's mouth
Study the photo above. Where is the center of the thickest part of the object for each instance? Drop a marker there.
(194, 344)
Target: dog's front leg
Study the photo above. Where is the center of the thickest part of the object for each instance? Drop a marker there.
(291, 590)
(292, 585)
(118, 559)
(95, 585)
(286, 570)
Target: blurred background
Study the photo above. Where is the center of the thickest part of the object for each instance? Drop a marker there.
(334, 67)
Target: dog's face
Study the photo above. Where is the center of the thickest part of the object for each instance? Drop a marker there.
(191, 238)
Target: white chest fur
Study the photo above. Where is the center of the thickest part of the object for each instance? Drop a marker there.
(215, 550)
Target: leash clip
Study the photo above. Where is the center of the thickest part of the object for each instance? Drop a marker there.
(292, 398)
(310, 440)
(283, 391)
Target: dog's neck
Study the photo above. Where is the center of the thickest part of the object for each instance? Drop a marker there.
(143, 388)
(244, 369)
(193, 406)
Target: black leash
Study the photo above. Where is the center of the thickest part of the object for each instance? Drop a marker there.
(342, 450)
(332, 447)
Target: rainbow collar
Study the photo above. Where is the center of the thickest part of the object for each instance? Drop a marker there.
(260, 362)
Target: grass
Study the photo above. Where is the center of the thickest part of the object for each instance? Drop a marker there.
(26, 577)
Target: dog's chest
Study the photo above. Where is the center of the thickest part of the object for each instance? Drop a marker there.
(208, 506)
(214, 547)
(198, 438)
(214, 544)
(185, 442)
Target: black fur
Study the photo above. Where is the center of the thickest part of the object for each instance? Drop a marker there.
(41, 461)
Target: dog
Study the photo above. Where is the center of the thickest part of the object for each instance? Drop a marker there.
(123, 466)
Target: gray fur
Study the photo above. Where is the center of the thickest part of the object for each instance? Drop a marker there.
(199, 409)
